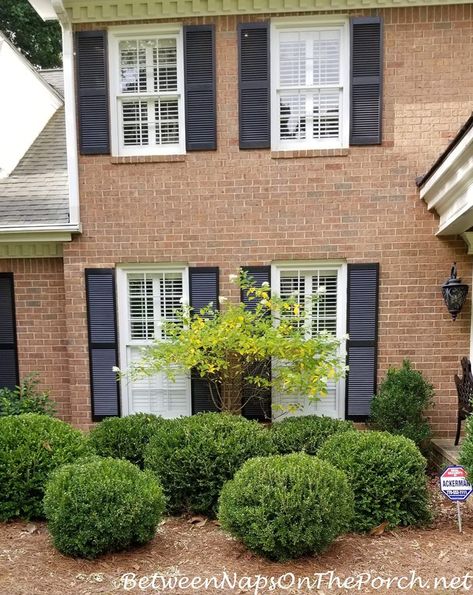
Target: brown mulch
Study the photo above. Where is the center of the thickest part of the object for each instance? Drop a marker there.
(195, 547)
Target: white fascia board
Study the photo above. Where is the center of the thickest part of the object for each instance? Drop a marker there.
(38, 230)
(45, 9)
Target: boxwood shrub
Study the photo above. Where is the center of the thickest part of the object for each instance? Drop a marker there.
(466, 448)
(102, 505)
(387, 474)
(32, 445)
(125, 437)
(306, 433)
(285, 506)
(194, 456)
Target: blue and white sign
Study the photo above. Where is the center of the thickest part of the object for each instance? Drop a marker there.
(454, 483)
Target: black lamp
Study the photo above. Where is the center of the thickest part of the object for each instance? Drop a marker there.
(454, 293)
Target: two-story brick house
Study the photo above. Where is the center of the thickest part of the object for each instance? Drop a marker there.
(281, 136)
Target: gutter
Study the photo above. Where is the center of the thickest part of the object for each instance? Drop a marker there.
(53, 228)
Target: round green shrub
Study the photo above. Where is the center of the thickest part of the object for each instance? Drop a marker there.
(387, 474)
(31, 447)
(125, 437)
(285, 506)
(102, 505)
(194, 456)
(306, 433)
(466, 448)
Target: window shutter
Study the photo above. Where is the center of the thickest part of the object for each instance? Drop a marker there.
(254, 87)
(366, 80)
(103, 348)
(199, 73)
(362, 321)
(9, 376)
(258, 408)
(92, 92)
(203, 290)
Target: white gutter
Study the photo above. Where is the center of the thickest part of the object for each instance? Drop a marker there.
(68, 228)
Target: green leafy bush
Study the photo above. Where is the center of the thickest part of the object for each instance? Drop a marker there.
(102, 505)
(31, 447)
(285, 506)
(306, 433)
(125, 437)
(26, 398)
(194, 456)
(387, 474)
(401, 402)
(466, 448)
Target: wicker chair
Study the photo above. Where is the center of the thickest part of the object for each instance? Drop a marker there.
(465, 394)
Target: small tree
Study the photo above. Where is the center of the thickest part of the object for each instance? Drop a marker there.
(243, 352)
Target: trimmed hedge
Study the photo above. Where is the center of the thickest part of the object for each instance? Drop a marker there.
(102, 505)
(306, 433)
(31, 447)
(387, 474)
(285, 506)
(194, 456)
(466, 448)
(125, 437)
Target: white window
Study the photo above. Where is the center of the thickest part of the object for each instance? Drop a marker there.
(309, 73)
(320, 290)
(146, 91)
(147, 300)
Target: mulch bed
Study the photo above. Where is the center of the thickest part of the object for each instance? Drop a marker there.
(196, 547)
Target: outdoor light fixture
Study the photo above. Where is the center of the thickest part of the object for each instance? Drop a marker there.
(454, 293)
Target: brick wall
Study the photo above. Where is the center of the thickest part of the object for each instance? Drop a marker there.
(230, 207)
(41, 331)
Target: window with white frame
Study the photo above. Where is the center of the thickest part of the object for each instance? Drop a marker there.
(146, 75)
(310, 98)
(147, 301)
(320, 291)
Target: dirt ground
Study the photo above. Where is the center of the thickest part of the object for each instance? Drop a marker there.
(186, 549)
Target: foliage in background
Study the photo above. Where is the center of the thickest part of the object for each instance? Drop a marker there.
(286, 506)
(31, 447)
(194, 456)
(232, 348)
(26, 398)
(124, 437)
(102, 505)
(306, 433)
(401, 403)
(466, 448)
(39, 41)
(387, 474)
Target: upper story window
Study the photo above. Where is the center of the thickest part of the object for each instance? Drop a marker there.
(146, 88)
(310, 91)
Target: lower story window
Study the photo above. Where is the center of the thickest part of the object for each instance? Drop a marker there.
(147, 300)
(320, 290)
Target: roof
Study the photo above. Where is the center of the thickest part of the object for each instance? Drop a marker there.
(467, 126)
(37, 191)
(55, 79)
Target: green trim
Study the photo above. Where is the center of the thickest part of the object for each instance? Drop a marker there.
(90, 11)
(30, 250)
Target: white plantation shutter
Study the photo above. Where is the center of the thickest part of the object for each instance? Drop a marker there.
(310, 87)
(150, 92)
(322, 314)
(153, 299)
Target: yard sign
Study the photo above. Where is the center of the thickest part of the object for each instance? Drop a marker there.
(455, 485)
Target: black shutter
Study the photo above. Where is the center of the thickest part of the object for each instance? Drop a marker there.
(9, 376)
(257, 407)
(362, 326)
(103, 348)
(366, 80)
(203, 290)
(92, 92)
(254, 87)
(199, 75)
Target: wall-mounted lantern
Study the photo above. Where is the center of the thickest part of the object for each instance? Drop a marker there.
(454, 293)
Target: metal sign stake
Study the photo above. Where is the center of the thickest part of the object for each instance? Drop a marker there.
(459, 514)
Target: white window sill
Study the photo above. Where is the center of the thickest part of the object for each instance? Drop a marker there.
(117, 159)
(298, 153)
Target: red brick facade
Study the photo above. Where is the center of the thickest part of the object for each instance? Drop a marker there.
(233, 207)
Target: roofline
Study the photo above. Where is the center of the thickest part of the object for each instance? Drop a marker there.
(36, 228)
(45, 9)
(467, 126)
(4, 38)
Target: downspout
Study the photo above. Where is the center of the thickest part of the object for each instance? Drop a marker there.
(70, 110)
